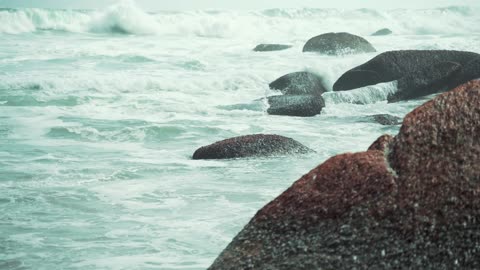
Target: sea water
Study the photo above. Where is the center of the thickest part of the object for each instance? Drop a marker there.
(101, 111)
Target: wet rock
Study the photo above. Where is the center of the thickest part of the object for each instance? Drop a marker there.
(382, 143)
(258, 145)
(299, 83)
(299, 105)
(386, 119)
(383, 32)
(429, 80)
(393, 65)
(414, 204)
(271, 47)
(338, 44)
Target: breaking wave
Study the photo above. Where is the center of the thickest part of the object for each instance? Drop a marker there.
(125, 17)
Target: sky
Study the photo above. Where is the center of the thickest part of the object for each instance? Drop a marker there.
(241, 4)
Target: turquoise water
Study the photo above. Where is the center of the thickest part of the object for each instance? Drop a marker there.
(100, 112)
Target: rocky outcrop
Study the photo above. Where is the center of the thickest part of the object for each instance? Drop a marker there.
(409, 202)
(338, 44)
(299, 83)
(394, 65)
(299, 105)
(301, 95)
(386, 119)
(271, 47)
(258, 145)
(383, 32)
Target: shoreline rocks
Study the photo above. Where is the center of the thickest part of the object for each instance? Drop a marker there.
(299, 83)
(298, 105)
(338, 44)
(408, 202)
(258, 145)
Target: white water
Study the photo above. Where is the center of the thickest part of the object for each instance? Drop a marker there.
(100, 112)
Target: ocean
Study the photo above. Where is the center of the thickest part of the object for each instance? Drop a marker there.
(101, 111)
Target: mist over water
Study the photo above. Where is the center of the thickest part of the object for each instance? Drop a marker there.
(101, 110)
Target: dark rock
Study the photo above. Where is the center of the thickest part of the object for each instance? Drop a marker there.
(393, 65)
(271, 47)
(383, 32)
(299, 83)
(386, 119)
(429, 80)
(300, 105)
(258, 145)
(470, 71)
(337, 44)
(413, 205)
(382, 143)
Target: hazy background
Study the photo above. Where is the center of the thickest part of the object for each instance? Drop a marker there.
(245, 4)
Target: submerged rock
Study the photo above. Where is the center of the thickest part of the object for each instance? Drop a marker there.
(411, 202)
(383, 32)
(299, 83)
(386, 119)
(258, 145)
(300, 105)
(393, 65)
(271, 47)
(338, 44)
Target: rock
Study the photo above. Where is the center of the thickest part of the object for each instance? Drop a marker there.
(300, 105)
(338, 44)
(299, 83)
(393, 65)
(258, 145)
(383, 32)
(429, 80)
(414, 204)
(382, 143)
(386, 119)
(470, 71)
(271, 47)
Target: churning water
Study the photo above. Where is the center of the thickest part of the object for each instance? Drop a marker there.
(100, 112)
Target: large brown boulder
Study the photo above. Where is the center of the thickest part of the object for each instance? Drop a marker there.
(411, 202)
(393, 65)
(338, 44)
(258, 145)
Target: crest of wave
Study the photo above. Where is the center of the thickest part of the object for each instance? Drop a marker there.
(125, 17)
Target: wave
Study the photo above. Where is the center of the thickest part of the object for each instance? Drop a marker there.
(125, 17)
(365, 95)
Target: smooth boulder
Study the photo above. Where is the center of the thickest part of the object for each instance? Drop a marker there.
(409, 202)
(298, 105)
(393, 65)
(271, 47)
(383, 32)
(299, 83)
(429, 80)
(258, 145)
(338, 44)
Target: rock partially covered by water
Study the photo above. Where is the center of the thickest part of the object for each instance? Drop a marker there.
(299, 105)
(383, 32)
(258, 145)
(386, 119)
(411, 202)
(299, 83)
(271, 47)
(338, 44)
(393, 65)
(426, 81)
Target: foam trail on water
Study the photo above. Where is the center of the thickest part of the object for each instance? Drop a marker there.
(365, 95)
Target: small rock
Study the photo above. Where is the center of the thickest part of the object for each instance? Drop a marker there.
(271, 47)
(383, 32)
(300, 105)
(338, 44)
